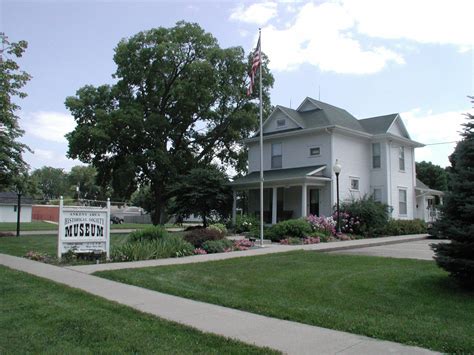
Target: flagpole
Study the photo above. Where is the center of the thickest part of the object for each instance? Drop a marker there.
(261, 139)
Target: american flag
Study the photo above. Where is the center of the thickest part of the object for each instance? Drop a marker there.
(255, 65)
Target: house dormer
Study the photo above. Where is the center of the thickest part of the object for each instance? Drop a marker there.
(282, 119)
(308, 104)
(397, 128)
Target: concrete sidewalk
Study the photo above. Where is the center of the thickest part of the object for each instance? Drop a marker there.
(270, 249)
(419, 250)
(288, 337)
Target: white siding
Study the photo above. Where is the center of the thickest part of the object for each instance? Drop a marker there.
(378, 176)
(402, 180)
(271, 125)
(295, 151)
(397, 130)
(355, 156)
(8, 213)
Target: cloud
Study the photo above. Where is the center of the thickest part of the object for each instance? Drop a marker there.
(423, 21)
(427, 127)
(45, 154)
(48, 125)
(335, 35)
(321, 35)
(259, 13)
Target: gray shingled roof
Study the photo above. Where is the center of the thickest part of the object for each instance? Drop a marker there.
(422, 186)
(11, 198)
(378, 124)
(325, 115)
(276, 174)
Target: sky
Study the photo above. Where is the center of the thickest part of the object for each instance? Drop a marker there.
(370, 57)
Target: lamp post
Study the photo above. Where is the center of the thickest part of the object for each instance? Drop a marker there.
(337, 169)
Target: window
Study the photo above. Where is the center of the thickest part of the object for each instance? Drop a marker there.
(375, 155)
(281, 122)
(402, 202)
(314, 151)
(401, 158)
(355, 184)
(377, 195)
(14, 208)
(276, 155)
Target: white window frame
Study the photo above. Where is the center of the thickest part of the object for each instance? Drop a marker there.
(354, 178)
(400, 202)
(273, 166)
(374, 195)
(374, 156)
(314, 155)
(401, 158)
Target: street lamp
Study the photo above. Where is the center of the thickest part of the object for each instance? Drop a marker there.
(337, 169)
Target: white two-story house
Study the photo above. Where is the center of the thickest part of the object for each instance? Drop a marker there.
(300, 148)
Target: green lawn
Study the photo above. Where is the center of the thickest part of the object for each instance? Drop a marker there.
(31, 226)
(41, 226)
(38, 317)
(407, 301)
(47, 244)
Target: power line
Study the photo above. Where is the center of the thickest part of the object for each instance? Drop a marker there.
(441, 143)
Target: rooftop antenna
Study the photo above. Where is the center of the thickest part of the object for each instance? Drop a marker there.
(290, 102)
(319, 92)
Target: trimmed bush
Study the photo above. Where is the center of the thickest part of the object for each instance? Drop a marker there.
(198, 236)
(166, 247)
(147, 234)
(404, 227)
(245, 223)
(297, 228)
(371, 215)
(218, 226)
(217, 246)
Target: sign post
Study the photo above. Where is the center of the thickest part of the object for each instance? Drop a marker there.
(84, 229)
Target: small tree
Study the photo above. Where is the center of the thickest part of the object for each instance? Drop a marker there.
(457, 218)
(11, 81)
(203, 192)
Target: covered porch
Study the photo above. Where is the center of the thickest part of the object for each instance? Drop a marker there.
(427, 202)
(288, 194)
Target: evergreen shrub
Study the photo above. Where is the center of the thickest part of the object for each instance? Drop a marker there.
(217, 246)
(297, 228)
(147, 234)
(198, 236)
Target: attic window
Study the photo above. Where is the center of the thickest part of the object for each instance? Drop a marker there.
(314, 151)
(281, 122)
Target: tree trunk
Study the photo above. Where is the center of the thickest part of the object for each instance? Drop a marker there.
(159, 203)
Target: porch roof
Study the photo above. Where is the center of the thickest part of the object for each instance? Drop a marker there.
(276, 175)
(424, 189)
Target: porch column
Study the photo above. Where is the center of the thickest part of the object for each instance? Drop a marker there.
(234, 207)
(304, 194)
(274, 205)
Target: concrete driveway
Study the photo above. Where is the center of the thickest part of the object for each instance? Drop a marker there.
(419, 249)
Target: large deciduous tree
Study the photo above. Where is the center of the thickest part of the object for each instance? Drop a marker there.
(432, 175)
(457, 257)
(179, 102)
(51, 182)
(12, 79)
(82, 182)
